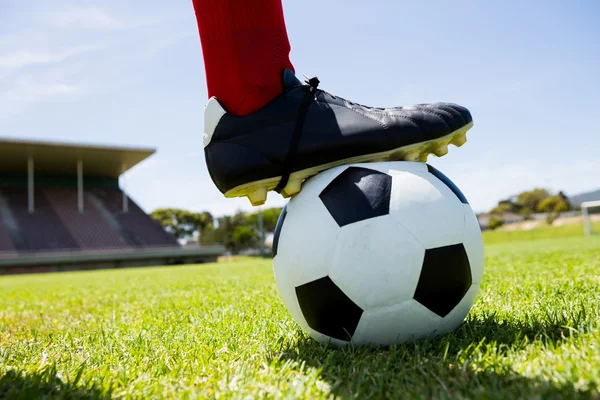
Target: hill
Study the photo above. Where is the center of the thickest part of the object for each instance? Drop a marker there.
(588, 196)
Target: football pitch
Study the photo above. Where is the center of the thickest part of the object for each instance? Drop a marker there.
(220, 331)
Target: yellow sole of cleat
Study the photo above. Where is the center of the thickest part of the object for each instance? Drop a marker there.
(257, 191)
(441, 151)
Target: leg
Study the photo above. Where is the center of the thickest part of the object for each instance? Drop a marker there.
(265, 130)
(245, 48)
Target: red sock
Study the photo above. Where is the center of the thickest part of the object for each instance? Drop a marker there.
(245, 48)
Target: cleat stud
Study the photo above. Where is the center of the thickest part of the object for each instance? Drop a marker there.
(293, 187)
(441, 150)
(412, 156)
(258, 197)
(459, 139)
(423, 157)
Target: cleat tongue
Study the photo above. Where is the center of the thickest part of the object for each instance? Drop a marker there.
(290, 80)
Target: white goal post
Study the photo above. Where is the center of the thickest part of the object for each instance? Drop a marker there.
(587, 224)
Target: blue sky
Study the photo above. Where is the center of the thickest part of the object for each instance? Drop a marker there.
(121, 73)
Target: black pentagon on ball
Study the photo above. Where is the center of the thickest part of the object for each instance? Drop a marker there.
(278, 227)
(327, 309)
(357, 194)
(445, 278)
(446, 181)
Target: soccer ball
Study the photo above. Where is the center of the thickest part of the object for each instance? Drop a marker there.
(378, 253)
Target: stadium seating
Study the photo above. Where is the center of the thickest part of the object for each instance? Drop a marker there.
(6, 245)
(57, 224)
(42, 230)
(143, 230)
(90, 229)
(78, 217)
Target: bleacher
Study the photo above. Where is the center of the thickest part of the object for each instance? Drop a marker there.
(62, 207)
(41, 230)
(56, 223)
(90, 229)
(141, 230)
(6, 245)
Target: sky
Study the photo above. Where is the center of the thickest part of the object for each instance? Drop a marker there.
(131, 73)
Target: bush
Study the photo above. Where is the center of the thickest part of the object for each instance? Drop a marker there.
(502, 208)
(526, 213)
(495, 222)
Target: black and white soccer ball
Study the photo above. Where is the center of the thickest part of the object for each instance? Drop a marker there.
(378, 253)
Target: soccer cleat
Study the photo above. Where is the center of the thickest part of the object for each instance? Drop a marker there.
(307, 130)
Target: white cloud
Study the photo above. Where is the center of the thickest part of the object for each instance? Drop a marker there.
(47, 90)
(26, 58)
(25, 92)
(20, 39)
(90, 17)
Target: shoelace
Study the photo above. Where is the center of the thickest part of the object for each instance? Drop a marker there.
(312, 85)
(288, 164)
(313, 82)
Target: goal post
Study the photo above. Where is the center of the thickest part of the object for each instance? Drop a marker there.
(587, 220)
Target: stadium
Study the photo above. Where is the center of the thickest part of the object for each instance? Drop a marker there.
(183, 216)
(62, 208)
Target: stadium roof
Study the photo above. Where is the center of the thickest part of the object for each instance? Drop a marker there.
(60, 158)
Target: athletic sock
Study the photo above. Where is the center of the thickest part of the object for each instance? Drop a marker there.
(245, 48)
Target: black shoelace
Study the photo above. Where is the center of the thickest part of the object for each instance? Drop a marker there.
(288, 164)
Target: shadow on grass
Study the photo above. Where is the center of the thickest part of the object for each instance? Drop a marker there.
(471, 362)
(44, 385)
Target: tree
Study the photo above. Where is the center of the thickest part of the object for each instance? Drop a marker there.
(503, 207)
(243, 237)
(532, 199)
(270, 217)
(495, 222)
(525, 212)
(235, 232)
(563, 196)
(511, 206)
(553, 206)
(525, 203)
(181, 223)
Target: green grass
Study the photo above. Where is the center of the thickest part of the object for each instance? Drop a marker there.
(220, 331)
(544, 232)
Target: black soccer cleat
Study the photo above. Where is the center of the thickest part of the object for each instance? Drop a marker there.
(306, 130)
